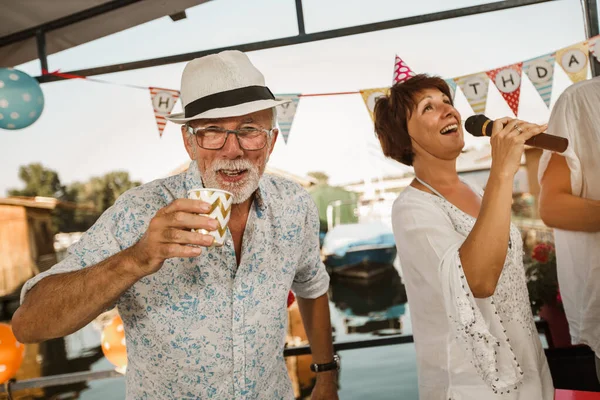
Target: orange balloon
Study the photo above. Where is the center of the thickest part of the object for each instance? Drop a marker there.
(11, 353)
(113, 343)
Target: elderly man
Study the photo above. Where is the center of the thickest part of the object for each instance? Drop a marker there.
(570, 203)
(201, 321)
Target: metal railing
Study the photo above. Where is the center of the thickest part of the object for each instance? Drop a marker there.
(88, 376)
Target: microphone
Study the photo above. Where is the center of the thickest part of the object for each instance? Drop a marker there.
(480, 125)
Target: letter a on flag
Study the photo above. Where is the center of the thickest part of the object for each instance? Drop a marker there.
(574, 61)
(163, 101)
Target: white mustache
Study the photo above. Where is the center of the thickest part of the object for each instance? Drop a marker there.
(239, 164)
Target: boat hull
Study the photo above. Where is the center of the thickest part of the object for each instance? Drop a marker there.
(362, 256)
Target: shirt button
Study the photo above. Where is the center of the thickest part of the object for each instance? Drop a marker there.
(228, 243)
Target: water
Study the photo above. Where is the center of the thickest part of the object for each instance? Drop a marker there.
(363, 310)
(359, 311)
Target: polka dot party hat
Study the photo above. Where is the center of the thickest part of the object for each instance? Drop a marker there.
(402, 72)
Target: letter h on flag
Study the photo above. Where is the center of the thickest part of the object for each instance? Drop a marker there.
(163, 101)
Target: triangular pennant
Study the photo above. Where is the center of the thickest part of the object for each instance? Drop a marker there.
(163, 101)
(574, 61)
(508, 82)
(370, 96)
(594, 46)
(475, 88)
(286, 113)
(402, 72)
(452, 86)
(540, 71)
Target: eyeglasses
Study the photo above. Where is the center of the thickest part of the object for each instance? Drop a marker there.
(214, 138)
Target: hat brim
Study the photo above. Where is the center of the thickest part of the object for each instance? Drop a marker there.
(226, 112)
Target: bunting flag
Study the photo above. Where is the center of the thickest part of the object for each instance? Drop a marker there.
(475, 88)
(574, 61)
(540, 72)
(163, 101)
(402, 72)
(508, 82)
(286, 113)
(370, 96)
(594, 46)
(452, 86)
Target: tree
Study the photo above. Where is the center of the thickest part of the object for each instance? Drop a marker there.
(99, 192)
(39, 181)
(103, 191)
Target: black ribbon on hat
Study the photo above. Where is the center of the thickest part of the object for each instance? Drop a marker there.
(228, 98)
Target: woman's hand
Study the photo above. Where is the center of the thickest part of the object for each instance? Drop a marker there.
(508, 143)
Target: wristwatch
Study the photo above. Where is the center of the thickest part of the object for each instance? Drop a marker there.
(335, 364)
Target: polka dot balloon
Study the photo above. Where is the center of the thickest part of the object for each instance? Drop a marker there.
(11, 353)
(113, 344)
(21, 99)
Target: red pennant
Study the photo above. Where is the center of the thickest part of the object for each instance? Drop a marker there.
(508, 81)
(163, 101)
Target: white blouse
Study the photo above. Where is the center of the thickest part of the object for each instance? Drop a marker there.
(467, 348)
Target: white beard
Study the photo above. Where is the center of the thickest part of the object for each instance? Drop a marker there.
(241, 190)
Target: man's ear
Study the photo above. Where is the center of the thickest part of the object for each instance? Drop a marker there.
(189, 142)
(274, 139)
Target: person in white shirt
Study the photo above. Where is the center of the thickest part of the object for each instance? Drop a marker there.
(461, 258)
(570, 203)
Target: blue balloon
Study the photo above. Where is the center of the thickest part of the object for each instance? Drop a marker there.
(21, 99)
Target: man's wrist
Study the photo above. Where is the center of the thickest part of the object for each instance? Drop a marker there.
(332, 365)
(328, 375)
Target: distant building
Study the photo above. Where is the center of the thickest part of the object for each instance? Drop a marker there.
(26, 239)
(473, 165)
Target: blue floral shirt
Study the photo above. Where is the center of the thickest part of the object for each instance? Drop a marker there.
(204, 328)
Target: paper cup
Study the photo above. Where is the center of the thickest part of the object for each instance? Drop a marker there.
(220, 209)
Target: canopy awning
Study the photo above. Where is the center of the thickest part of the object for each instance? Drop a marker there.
(60, 25)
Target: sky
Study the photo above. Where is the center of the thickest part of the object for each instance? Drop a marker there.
(88, 129)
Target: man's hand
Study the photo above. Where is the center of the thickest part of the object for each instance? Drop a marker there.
(326, 387)
(169, 235)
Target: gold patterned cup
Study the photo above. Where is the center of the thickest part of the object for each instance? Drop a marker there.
(220, 209)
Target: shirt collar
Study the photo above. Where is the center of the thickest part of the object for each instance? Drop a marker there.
(193, 180)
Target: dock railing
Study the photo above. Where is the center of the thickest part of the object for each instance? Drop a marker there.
(88, 376)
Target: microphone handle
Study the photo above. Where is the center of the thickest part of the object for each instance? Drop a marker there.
(541, 141)
(548, 142)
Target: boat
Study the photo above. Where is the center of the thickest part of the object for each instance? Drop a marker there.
(360, 247)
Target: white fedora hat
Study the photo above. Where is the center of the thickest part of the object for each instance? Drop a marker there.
(222, 85)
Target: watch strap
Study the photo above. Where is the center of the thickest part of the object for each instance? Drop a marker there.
(327, 366)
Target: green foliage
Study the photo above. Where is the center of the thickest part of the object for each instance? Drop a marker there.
(39, 181)
(99, 193)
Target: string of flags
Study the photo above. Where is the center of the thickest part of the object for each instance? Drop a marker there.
(574, 60)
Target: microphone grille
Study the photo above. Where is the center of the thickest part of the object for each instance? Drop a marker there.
(474, 124)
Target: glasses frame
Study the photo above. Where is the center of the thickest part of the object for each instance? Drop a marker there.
(236, 132)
